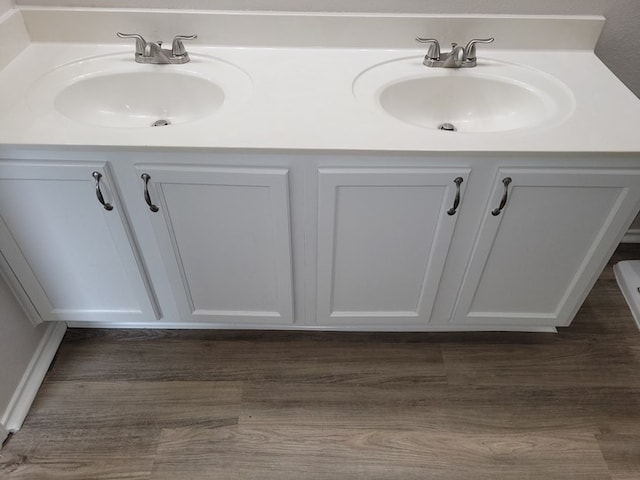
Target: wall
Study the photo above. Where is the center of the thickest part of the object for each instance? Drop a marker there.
(25, 354)
(619, 45)
(18, 341)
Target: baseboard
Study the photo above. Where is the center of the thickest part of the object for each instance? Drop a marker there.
(3, 434)
(26, 391)
(632, 236)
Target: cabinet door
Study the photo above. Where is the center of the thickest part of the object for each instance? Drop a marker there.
(225, 239)
(73, 258)
(535, 260)
(383, 238)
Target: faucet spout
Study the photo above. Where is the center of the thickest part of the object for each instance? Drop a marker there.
(454, 58)
(155, 53)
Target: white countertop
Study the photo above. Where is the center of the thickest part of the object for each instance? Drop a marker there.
(302, 98)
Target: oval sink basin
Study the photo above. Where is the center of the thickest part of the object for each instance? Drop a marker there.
(492, 97)
(139, 99)
(114, 91)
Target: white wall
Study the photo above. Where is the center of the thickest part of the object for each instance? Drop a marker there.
(19, 340)
(26, 352)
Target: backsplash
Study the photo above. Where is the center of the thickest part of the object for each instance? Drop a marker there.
(620, 28)
(5, 5)
(527, 7)
(306, 29)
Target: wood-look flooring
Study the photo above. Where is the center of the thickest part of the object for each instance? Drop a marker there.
(135, 404)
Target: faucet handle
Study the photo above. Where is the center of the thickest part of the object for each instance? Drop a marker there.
(140, 42)
(434, 49)
(470, 49)
(177, 48)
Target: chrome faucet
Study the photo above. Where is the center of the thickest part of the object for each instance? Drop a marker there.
(458, 57)
(152, 52)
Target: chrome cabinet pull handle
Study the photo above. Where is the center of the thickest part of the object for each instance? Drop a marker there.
(456, 201)
(496, 211)
(107, 206)
(147, 198)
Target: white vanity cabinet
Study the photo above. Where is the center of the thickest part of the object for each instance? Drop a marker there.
(224, 235)
(545, 237)
(290, 240)
(383, 237)
(71, 256)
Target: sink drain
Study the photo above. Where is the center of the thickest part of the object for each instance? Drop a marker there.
(161, 123)
(447, 127)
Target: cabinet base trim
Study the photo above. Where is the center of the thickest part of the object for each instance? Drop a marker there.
(320, 328)
(632, 236)
(26, 391)
(627, 274)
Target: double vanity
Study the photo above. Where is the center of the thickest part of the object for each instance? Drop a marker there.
(308, 176)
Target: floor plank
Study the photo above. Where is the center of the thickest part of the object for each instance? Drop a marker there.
(575, 362)
(622, 454)
(250, 356)
(129, 404)
(290, 452)
(80, 453)
(455, 409)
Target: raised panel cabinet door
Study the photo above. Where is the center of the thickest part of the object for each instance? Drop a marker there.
(545, 238)
(72, 255)
(225, 238)
(383, 238)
